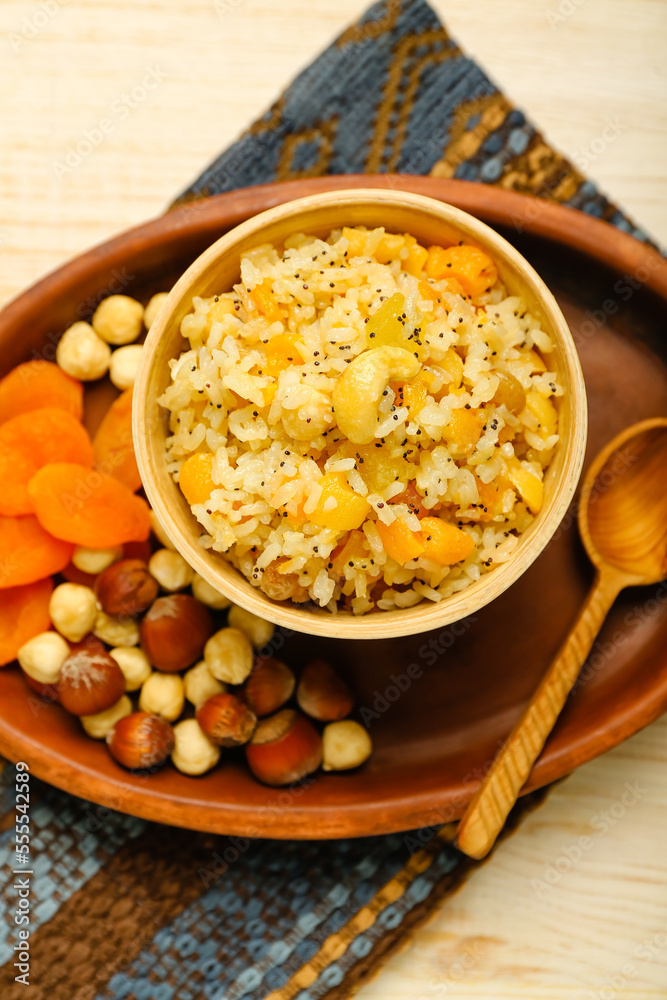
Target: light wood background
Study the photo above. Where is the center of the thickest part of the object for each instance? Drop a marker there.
(531, 923)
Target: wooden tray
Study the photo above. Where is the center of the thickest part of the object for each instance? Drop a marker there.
(438, 705)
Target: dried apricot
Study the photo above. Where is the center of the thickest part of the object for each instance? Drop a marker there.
(28, 442)
(113, 444)
(24, 613)
(36, 384)
(83, 506)
(28, 552)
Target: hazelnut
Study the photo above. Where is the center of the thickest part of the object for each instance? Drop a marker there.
(98, 726)
(269, 686)
(126, 588)
(134, 664)
(284, 748)
(72, 609)
(162, 694)
(174, 630)
(228, 655)
(170, 570)
(140, 740)
(49, 692)
(257, 629)
(116, 631)
(82, 354)
(124, 365)
(322, 694)
(159, 532)
(118, 319)
(200, 684)
(90, 681)
(345, 744)
(94, 561)
(153, 307)
(226, 720)
(208, 595)
(42, 657)
(193, 752)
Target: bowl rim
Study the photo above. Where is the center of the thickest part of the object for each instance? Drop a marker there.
(423, 616)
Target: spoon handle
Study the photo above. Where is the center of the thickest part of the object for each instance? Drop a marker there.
(486, 814)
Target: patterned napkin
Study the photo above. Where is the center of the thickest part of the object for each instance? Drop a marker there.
(122, 908)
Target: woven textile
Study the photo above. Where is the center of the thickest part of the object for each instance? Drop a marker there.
(122, 908)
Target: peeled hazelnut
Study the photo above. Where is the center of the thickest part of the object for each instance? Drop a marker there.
(153, 308)
(95, 561)
(90, 681)
(257, 629)
(170, 570)
(163, 694)
(200, 684)
(322, 694)
(159, 532)
(284, 748)
(134, 664)
(345, 744)
(269, 686)
(72, 609)
(126, 588)
(226, 720)
(174, 631)
(140, 740)
(193, 752)
(116, 631)
(208, 595)
(98, 726)
(118, 319)
(228, 655)
(42, 657)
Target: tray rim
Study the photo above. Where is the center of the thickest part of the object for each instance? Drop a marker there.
(598, 240)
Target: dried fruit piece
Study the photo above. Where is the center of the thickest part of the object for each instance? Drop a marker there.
(140, 740)
(444, 543)
(174, 632)
(83, 506)
(90, 680)
(269, 686)
(28, 552)
(36, 384)
(28, 442)
(226, 720)
(113, 444)
(472, 267)
(195, 478)
(126, 588)
(400, 542)
(322, 694)
(24, 614)
(284, 748)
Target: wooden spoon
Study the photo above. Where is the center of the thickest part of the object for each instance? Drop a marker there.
(623, 524)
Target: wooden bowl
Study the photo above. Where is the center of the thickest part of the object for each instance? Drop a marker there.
(218, 268)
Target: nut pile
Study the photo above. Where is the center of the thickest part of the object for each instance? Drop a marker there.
(130, 639)
(154, 669)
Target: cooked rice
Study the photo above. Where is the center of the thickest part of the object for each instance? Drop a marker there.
(223, 401)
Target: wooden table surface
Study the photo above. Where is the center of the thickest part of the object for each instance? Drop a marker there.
(538, 921)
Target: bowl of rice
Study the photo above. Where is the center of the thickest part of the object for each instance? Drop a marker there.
(360, 414)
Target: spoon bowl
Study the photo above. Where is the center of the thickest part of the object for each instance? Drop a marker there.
(623, 524)
(623, 505)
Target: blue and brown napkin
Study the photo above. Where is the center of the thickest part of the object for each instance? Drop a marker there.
(123, 908)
